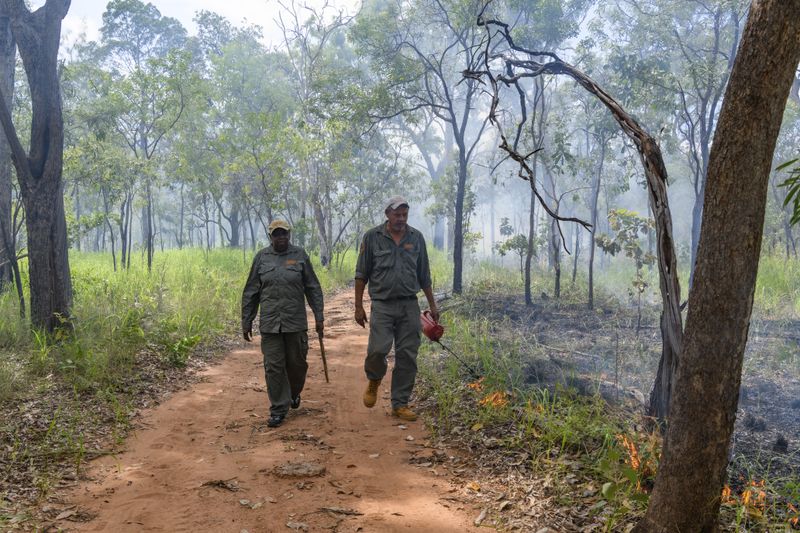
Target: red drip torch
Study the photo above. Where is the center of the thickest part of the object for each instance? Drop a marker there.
(434, 331)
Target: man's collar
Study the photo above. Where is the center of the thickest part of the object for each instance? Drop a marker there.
(271, 250)
(384, 228)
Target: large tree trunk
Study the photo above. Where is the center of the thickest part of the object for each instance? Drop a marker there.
(693, 464)
(39, 171)
(8, 51)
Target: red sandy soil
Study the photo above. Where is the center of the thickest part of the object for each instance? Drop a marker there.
(205, 460)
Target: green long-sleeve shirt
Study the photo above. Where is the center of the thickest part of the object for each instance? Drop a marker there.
(278, 283)
(392, 270)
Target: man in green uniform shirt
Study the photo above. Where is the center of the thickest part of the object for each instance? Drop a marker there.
(280, 278)
(393, 262)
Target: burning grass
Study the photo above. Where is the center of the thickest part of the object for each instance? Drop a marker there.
(561, 400)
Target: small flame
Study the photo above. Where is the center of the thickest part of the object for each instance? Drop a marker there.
(495, 399)
(726, 495)
(633, 452)
(476, 385)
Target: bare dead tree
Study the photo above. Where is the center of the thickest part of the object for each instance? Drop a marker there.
(509, 67)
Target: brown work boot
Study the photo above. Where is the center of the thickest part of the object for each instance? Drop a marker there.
(371, 394)
(404, 413)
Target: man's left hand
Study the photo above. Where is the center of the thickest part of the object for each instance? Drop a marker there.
(435, 313)
(320, 327)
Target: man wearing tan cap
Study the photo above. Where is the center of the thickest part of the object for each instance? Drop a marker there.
(280, 278)
(393, 263)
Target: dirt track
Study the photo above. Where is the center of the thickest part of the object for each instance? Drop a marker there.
(205, 460)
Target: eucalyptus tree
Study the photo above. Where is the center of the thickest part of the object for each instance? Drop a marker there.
(514, 64)
(542, 24)
(149, 87)
(253, 105)
(693, 45)
(433, 140)
(315, 44)
(231, 139)
(419, 49)
(39, 170)
(693, 464)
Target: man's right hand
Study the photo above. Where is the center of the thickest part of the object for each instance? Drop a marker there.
(247, 332)
(361, 317)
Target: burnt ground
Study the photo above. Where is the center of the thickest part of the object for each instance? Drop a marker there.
(601, 351)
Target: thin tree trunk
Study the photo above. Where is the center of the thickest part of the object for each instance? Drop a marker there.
(692, 469)
(577, 252)
(148, 227)
(529, 253)
(458, 230)
(595, 203)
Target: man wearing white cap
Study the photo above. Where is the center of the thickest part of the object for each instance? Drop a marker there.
(280, 278)
(393, 263)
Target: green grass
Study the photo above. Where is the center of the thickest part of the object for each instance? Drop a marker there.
(191, 296)
(554, 427)
(132, 329)
(778, 287)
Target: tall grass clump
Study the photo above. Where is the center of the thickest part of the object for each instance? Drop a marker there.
(191, 296)
(778, 286)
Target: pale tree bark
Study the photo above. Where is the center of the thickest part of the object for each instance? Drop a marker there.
(39, 171)
(707, 379)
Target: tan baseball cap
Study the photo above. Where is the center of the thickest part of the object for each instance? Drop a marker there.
(396, 201)
(278, 224)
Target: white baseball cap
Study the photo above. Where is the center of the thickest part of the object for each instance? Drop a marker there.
(396, 201)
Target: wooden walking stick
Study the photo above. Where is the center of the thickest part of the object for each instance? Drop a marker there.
(324, 361)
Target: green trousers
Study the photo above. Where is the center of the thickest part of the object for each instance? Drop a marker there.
(285, 367)
(394, 322)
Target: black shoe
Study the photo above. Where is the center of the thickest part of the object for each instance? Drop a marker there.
(275, 420)
(296, 402)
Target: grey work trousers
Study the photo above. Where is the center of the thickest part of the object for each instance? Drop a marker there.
(394, 321)
(285, 367)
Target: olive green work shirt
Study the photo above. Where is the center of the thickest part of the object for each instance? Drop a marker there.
(391, 270)
(278, 283)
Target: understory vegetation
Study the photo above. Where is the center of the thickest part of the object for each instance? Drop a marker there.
(68, 397)
(556, 391)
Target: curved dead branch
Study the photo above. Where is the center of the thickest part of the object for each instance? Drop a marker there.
(518, 63)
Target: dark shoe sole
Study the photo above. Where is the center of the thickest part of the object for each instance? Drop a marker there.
(275, 421)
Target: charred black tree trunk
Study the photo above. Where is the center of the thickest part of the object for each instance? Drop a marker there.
(39, 172)
(458, 231)
(692, 469)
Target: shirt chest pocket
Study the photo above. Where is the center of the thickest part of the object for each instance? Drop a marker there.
(383, 259)
(267, 274)
(294, 272)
